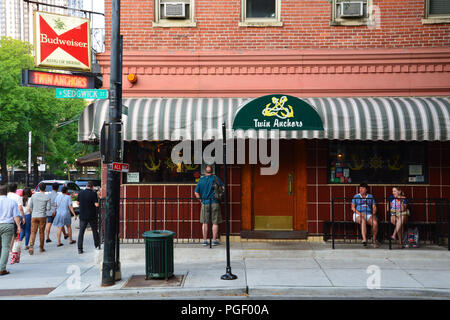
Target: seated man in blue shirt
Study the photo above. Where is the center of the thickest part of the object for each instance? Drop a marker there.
(364, 211)
(204, 191)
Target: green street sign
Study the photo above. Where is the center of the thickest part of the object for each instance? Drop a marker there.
(70, 93)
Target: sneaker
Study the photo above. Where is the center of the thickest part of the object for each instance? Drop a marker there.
(215, 243)
(205, 243)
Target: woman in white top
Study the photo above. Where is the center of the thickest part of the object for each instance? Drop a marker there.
(26, 195)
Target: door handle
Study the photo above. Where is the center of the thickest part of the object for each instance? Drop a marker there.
(290, 183)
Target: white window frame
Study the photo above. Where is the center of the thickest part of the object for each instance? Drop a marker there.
(177, 23)
(363, 21)
(434, 18)
(260, 22)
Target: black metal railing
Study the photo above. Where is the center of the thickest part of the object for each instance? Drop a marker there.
(430, 216)
(137, 215)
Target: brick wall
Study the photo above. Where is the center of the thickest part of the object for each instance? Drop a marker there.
(319, 192)
(306, 24)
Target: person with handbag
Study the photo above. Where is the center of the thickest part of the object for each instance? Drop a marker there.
(399, 212)
(9, 215)
(208, 190)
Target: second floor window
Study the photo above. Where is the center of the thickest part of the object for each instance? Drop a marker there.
(438, 7)
(260, 9)
(260, 13)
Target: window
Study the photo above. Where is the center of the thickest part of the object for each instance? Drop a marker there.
(260, 13)
(174, 13)
(437, 11)
(351, 12)
(150, 162)
(377, 163)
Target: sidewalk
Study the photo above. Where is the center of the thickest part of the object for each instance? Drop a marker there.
(274, 270)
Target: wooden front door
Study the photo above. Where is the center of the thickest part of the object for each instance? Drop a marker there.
(274, 195)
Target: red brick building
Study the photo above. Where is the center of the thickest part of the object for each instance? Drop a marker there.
(377, 72)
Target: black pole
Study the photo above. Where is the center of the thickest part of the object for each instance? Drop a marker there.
(228, 275)
(118, 272)
(332, 222)
(114, 140)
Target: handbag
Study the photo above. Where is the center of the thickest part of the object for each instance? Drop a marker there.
(16, 250)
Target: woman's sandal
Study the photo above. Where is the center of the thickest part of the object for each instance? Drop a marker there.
(73, 241)
(59, 245)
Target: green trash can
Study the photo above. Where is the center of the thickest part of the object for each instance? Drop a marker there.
(158, 254)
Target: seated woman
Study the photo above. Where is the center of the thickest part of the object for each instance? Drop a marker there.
(398, 208)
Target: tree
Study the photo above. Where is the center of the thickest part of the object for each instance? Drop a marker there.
(24, 109)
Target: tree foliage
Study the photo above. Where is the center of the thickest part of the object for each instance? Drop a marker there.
(24, 109)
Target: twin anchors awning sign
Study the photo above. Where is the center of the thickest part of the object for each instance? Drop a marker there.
(62, 42)
(277, 112)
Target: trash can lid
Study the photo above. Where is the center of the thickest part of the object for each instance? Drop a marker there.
(158, 234)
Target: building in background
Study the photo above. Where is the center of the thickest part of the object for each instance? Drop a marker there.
(17, 17)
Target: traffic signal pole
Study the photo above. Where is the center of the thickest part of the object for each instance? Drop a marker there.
(111, 265)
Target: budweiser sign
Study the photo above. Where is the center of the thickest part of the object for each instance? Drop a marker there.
(62, 42)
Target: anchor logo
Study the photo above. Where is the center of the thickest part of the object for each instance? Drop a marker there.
(278, 109)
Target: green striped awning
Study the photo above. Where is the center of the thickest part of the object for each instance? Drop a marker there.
(377, 118)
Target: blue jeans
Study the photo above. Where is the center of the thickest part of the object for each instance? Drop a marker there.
(6, 233)
(26, 230)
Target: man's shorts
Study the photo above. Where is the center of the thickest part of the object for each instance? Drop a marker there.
(50, 219)
(215, 212)
(367, 216)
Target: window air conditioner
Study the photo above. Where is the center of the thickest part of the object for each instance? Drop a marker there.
(175, 10)
(352, 9)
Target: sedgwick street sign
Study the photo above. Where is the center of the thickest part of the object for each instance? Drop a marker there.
(81, 93)
(62, 42)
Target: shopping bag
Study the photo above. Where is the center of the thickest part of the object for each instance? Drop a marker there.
(16, 250)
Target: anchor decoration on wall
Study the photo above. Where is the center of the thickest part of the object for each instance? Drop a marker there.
(278, 110)
(396, 164)
(153, 166)
(357, 163)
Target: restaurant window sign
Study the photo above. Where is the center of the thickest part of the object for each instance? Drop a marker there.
(62, 42)
(277, 112)
(353, 162)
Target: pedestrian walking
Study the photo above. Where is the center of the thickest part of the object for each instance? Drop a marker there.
(204, 191)
(63, 217)
(12, 194)
(39, 206)
(26, 230)
(9, 215)
(88, 204)
(52, 212)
